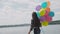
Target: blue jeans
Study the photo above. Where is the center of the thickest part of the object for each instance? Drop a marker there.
(36, 30)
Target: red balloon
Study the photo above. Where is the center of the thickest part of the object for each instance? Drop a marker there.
(46, 14)
(48, 18)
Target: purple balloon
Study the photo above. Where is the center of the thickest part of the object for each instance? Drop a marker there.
(38, 8)
(42, 18)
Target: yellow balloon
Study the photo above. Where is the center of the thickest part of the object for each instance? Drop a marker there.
(45, 23)
(42, 9)
(42, 12)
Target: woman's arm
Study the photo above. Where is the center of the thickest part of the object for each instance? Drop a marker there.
(30, 30)
(31, 26)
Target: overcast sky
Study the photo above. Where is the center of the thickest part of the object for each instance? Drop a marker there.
(19, 11)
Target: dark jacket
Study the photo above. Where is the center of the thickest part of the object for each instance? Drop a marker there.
(35, 24)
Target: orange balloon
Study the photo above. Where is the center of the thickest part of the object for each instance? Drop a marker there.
(48, 9)
(48, 3)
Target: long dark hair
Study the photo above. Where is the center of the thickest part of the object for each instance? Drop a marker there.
(34, 16)
(35, 19)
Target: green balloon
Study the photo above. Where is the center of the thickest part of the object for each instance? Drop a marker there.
(42, 12)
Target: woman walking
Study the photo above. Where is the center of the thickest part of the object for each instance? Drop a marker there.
(35, 24)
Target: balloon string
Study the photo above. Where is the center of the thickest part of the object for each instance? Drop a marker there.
(42, 30)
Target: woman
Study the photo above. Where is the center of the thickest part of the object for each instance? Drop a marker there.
(35, 24)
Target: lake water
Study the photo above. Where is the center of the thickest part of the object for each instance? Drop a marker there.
(50, 29)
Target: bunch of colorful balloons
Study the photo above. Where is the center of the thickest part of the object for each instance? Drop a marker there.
(44, 13)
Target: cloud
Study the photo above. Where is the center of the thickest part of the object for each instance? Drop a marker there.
(1, 5)
(58, 13)
(20, 5)
(19, 11)
(55, 4)
(56, 17)
(16, 5)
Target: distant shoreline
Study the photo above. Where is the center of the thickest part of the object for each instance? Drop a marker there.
(21, 25)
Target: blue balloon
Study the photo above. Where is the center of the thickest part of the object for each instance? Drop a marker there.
(38, 14)
(51, 14)
(44, 5)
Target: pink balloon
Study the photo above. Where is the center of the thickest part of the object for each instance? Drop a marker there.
(46, 14)
(48, 18)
